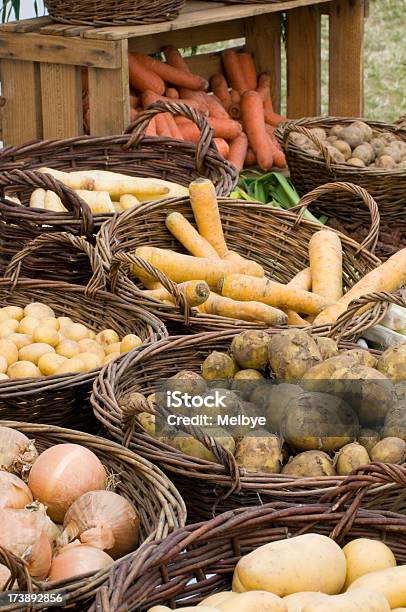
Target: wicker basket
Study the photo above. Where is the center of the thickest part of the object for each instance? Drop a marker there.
(63, 399)
(277, 239)
(198, 560)
(159, 504)
(113, 12)
(206, 487)
(387, 187)
(132, 153)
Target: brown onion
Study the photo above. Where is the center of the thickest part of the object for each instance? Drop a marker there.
(17, 452)
(102, 519)
(14, 493)
(77, 559)
(63, 473)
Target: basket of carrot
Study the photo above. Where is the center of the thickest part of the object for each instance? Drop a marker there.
(222, 263)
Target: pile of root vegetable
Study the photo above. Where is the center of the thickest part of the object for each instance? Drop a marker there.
(56, 512)
(323, 411)
(312, 573)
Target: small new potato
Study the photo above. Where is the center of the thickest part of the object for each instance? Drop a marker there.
(8, 327)
(33, 352)
(13, 312)
(364, 152)
(388, 582)
(27, 325)
(50, 362)
(20, 340)
(259, 451)
(107, 336)
(393, 152)
(246, 381)
(48, 335)
(343, 147)
(250, 349)
(378, 146)
(392, 363)
(319, 132)
(389, 450)
(352, 135)
(356, 162)
(129, 342)
(276, 403)
(218, 598)
(71, 366)
(362, 357)
(310, 464)
(91, 361)
(318, 377)
(68, 348)
(3, 316)
(360, 600)
(218, 366)
(386, 162)
(75, 331)
(4, 376)
(8, 350)
(3, 364)
(366, 130)
(395, 421)
(253, 602)
(37, 310)
(147, 420)
(336, 129)
(327, 346)
(188, 445)
(351, 457)
(336, 155)
(64, 321)
(368, 438)
(111, 357)
(297, 601)
(91, 346)
(50, 322)
(113, 348)
(292, 353)
(364, 556)
(23, 369)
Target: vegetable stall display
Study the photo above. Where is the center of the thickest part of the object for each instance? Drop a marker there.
(72, 504)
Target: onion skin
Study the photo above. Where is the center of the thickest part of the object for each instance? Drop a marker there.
(17, 452)
(14, 493)
(103, 519)
(63, 473)
(75, 560)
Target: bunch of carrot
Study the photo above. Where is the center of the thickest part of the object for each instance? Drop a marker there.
(239, 106)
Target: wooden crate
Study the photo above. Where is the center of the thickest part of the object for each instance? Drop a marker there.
(41, 62)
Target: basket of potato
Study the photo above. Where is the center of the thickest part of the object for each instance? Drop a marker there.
(296, 415)
(279, 557)
(370, 154)
(55, 337)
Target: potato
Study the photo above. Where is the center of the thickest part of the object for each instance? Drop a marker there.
(327, 346)
(8, 327)
(292, 353)
(297, 601)
(33, 352)
(23, 369)
(74, 331)
(378, 146)
(319, 132)
(246, 381)
(248, 374)
(352, 135)
(356, 161)
(392, 363)
(335, 154)
(299, 139)
(309, 562)
(3, 316)
(186, 381)
(362, 357)
(49, 363)
(318, 378)
(319, 421)
(110, 357)
(20, 340)
(107, 336)
(386, 162)
(259, 451)
(368, 438)
(71, 366)
(336, 129)
(393, 152)
(253, 602)
(395, 421)
(188, 445)
(4, 376)
(365, 556)
(13, 312)
(87, 346)
(276, 403)
(37, 310)
(332, 139)
(366, 130)
(364, 152)
(310, 464)
(112, 348)
(147, 420)
(8, 350)
(27, 325)
(398, 609)
(389, 582)
(389, 450)
(351, 457)
(250, 349)
(261, 393)
(218, 598)
(68, 348)
(3, 364)
(218, 366)
(130, 342)
(47, 335)
(360, 600)
(91, 361)
(343, 147)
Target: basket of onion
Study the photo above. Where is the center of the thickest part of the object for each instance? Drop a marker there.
(71, 505)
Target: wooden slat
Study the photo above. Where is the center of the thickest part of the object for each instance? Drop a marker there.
(346, 93)
(195, 36)
(25, 25)
(205, 64)
(263, 41)
(21, 113)
(59, 50)
(61, 94)
(54, 29)
(109, 97)
(195, 16)
(303, 62)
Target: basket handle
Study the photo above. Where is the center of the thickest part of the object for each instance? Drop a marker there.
(116, 268)
(371, 240)
(136, 130)
(34, 179)
(348, 325)
(18, 570)
(290, 127)
(98, 279)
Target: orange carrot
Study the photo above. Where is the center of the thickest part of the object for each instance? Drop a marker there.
(250, 158)
(175, 131)
(174, 58)
(248, 69)
(264, 85)
(234, 109)
(279, 158)
(238, 151)
(225, 128)
(142, 78)
(162, 125)
(149, 97)
(151, 129)
(254, 123)
(264, 90)
(235, 96)
(234, 73)
(216, 109)
(190, 131)
(134, 101)
(172, 93)
(270, 116)
(220, 89)
(222, 146)
(170, 74)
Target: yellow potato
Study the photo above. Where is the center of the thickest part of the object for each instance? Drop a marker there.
(365, 556)
(91, 346)
(3, 315)
(297, 601)
(110, 357)
(398, 609)
(62, 321)
(23, 369)
(38, 310)
(14, 312)
(390, 582)
(34, 351)
(72, 366)
(91, 360)
(46, 334)
(50, 362)
(8, 327)
(361, 600)
(108, 336)
(130, 342)
(74, 331)
(27, 325)
(218, 598)
(3, 364)
(253, 602)
(8, 350)
(68, 348)
(50, 322)
(20, 340)
(113, 348)
(4, 376)
(309, 562)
